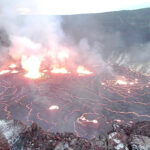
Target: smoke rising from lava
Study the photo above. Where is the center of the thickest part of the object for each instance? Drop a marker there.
(85, 36)
(121, 39)
(41, 39)
(44, 37)
(85, 103)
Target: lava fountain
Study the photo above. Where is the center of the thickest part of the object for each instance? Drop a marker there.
(83, 71)
(58, 70)
(32, 66)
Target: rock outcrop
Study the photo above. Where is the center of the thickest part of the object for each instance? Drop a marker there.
(14, 135)
(3, 143)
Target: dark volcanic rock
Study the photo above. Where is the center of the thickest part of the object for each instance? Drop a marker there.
(140, 136)
(129, 136)
(11, 130)
(141, 128)
(138, 142)
(4, 38)
(117, 141)
(99, 143)
(124, 136)
(3, 143)
(36, 138)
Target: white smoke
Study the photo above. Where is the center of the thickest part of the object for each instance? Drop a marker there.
(43, 35)
(11, 130)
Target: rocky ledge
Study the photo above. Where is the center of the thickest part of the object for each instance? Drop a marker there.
(14, 135)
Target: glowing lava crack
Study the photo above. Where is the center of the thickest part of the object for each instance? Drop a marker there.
(84, 105)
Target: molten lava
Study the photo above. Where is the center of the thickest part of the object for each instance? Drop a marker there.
(4, 72)
(45, 70)
(14, 71)
(12, 66)
(32, 66)
(54, 107)
(83, 71)
(64, 102)
(121, 82)
(95, 121)
(62, 70)
(82, 119)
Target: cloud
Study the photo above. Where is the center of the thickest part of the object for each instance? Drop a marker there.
(58, 7)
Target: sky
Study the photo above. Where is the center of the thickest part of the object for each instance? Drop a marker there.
(54, 7)
(60, 7)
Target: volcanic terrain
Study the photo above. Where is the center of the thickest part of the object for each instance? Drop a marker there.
(85, 105)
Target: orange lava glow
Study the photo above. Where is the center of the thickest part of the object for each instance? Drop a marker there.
(83, 71)
(45, 70)
(131, 83)
(14, 71)
(62, 70)
(95, 121)
(121, 82)
(4, 72)
(12, 66)
(86, 120)
(32, 66)
(63, 55)
(54, 107)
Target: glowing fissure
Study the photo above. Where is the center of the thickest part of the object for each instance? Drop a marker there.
(59, 62)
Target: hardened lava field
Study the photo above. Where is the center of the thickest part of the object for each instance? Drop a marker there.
(85, 105)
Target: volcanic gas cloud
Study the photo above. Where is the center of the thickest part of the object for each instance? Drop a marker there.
(35, 65)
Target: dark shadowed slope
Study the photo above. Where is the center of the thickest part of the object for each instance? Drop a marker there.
(119, 36)
(133, 26)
